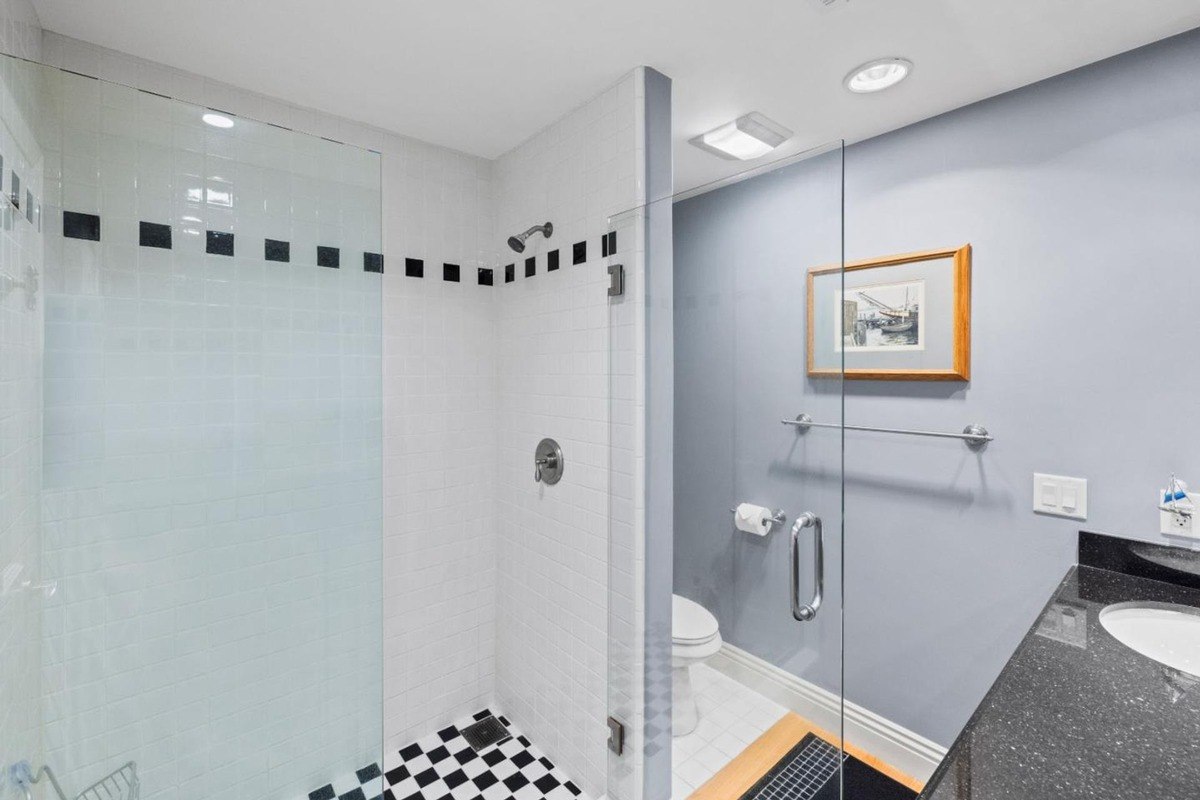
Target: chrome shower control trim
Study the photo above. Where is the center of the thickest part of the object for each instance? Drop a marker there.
(547, 462)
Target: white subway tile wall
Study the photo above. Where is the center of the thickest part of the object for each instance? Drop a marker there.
(554, 380)
(213, 489)
(21, 324)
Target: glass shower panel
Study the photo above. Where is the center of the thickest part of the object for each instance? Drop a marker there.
(741, 681)
(212, 489)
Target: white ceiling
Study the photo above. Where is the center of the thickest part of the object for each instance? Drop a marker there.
(482, 76)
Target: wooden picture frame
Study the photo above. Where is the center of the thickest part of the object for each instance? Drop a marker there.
(959, 368)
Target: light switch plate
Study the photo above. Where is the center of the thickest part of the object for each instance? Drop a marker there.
(1060, 496)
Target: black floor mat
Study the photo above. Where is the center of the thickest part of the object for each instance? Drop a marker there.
(810, 772)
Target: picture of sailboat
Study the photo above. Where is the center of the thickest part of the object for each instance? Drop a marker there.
(883, 317)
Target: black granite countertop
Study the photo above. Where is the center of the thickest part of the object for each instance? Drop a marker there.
(1077, 714)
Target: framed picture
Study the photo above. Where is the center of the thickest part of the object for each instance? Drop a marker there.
(899, 318)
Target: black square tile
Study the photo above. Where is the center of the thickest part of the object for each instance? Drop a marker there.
(484, 779)
(492, 757)
(427, 777)
(546, 784)
(450, 272)
(510, 273)
(524, 743)
(579, 252)
(552, 261)
(545, 762)
(522, 759)
(373, 262)
(413, 750)
(387, 795)
(219, 243)
(530, 266)
(515, 781)
(612, 243)
(572, 788)
(446, 734)
(396, 775)
(275, 250)
(369, 772)
(437, 754)
(504, 721)
(415, 796)
(414, 267)
(329, 257)
(604, 246)
(478, 715)
(324, 793)
(485, 276)
(354, 794)
(154, 234)
(81, 226)
(456, 778)
(465, 755)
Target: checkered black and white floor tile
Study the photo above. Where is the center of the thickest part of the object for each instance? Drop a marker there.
(442, 766)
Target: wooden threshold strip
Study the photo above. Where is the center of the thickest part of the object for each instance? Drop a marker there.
(739, 775)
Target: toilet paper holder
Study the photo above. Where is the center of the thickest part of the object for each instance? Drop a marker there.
(778, 518)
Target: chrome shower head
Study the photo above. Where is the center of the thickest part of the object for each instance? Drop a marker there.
(517, 242)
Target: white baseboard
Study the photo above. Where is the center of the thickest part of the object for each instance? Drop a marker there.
(908, 752)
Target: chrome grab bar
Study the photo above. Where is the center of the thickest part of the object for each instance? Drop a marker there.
(805, 612)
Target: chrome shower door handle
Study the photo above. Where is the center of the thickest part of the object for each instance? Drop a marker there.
(804, 612)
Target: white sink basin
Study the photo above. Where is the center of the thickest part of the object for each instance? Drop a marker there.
(1167, 633)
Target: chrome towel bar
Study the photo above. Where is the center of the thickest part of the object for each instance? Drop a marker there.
(975, 437)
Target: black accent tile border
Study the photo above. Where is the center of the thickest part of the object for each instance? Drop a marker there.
(530, 266)
(552, 261)
(373, 262)
(414, 267)
(485, 276)
(219, 243)
(154, 234)
(510, 273)
(15, 195)
(604, 246)
(277, 250)
(77, 225)
(612, 242)
(579, 252)
(450, 272)
(329, 257)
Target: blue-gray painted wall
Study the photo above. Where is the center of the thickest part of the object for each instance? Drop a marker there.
(1081, 198)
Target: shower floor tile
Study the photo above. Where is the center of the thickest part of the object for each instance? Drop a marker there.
(442, 766)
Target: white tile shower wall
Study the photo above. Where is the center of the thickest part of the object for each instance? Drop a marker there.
(21, 314)
(439, 353)
(553, 339)
(212, 495)
(439, 442)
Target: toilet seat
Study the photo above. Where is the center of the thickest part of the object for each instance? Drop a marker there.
(692, 625)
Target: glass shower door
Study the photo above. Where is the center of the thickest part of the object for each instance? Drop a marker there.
(741, 679)
(199, 608)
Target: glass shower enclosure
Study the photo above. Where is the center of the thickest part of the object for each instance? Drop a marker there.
(191, 488)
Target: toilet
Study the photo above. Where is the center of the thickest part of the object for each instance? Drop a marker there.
(695, 638)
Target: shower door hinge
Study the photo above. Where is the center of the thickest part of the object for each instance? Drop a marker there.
(616, 280)
(616, 736)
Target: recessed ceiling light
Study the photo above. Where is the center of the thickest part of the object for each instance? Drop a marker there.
(746, 138)
(877, 75)
(217, 120)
